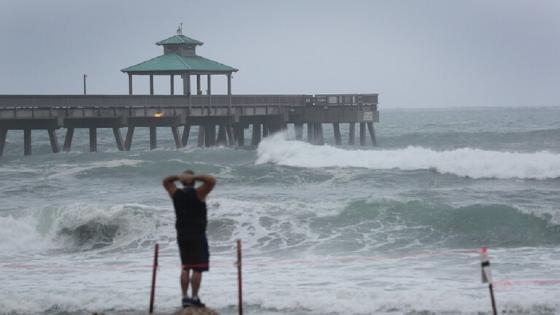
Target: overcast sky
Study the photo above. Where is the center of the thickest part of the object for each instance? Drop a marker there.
(437, 53)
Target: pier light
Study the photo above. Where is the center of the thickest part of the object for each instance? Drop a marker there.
(158, 114)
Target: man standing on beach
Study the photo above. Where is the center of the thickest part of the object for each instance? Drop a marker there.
(190, 210)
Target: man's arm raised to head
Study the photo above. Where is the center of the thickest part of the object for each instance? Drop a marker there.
(208, 183)
(169, 184)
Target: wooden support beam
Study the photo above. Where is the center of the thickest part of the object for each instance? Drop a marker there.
(351, 133)
(200, 140)
(3, 134)
(27, 141)
(256, 134)
(299, 131)
(372, 133)
(151, 84)
(310, 133)
(68, 139)
(231, 136)
(222, 135)
(362, 134)
(320, 140)
(198, 90)
(210, 135)
(118, 138)
(207, 135)
(129, 84)
(337, 137)
(265, 129)
(172, 84)
(153, 137)
(53, 140)
(92, 139)
(185, 137)
(176, 137)
(273, 127)
(128, 140)
(239, 135)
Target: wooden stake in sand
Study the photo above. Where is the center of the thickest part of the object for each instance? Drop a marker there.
(487, 276)
(154, 271)
(239, 278)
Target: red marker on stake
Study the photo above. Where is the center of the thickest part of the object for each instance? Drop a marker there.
(487, 275)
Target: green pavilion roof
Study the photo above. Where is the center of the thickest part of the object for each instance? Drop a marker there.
(179, 40)
(178, 63)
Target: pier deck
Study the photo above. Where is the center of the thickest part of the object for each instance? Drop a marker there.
(230, 114)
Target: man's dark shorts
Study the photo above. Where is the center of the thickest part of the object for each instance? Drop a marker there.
(194, 253)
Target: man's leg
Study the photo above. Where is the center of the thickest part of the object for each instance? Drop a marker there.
(185, 281)
(196, 279)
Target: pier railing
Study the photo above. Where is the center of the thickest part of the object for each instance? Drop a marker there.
(56, 101)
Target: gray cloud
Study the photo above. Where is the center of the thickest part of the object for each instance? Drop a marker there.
(414, 53)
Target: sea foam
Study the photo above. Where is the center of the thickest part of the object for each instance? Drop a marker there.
(464, 162)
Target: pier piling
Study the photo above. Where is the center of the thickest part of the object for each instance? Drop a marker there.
(128, 140)
(68, 139)
(239, 135)
(265, 130)
(256, 134)
(362, 134)
(222, 136)
(351, 133)
(3, 134)
(319, 139)
(310, 133)
(299, 131)
(336, 130)
(53, 140)
(200, 140)
(372, 133)
(27, 141)
(92, 139)
(118, 138)
(186, 133)
(176, 137)
(153, 137)
(210, 135)
(231, 138)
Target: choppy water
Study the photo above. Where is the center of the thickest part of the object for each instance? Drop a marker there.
(326, 230)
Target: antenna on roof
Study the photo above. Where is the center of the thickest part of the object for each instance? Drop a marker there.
(180, 29)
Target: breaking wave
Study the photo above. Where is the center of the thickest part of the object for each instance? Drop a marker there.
(465, 162)
(78, 227)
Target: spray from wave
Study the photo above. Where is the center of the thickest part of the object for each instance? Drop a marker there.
(465, 162)
(79, 227)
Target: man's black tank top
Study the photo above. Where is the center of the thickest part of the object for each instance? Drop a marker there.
(190, 213)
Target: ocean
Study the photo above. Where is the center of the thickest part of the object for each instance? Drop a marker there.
(392, 229)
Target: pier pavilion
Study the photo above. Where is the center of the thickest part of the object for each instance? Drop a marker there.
(180, 59)
(230, 114)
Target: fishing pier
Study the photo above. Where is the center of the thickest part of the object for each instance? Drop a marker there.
(220, 119)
